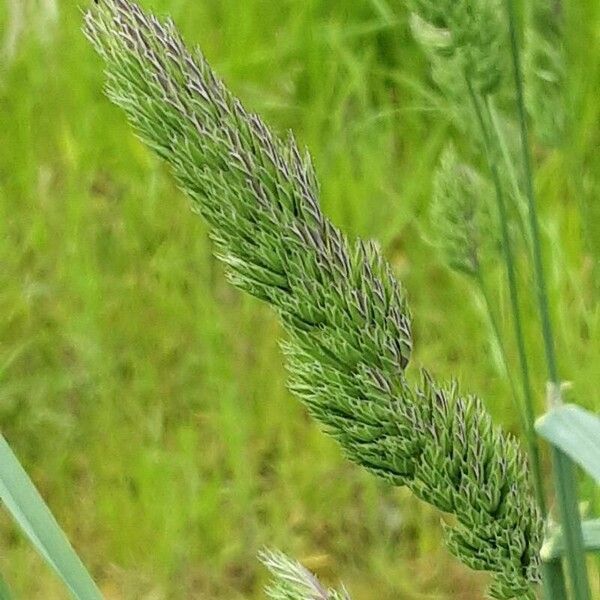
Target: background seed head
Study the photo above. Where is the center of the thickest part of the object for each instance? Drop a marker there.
(460, 214)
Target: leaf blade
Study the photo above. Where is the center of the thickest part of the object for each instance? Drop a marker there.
(4, 590)
(31, 513)
(576, 432)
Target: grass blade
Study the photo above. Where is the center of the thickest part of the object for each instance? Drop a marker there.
(576, 432)
(4, 591)
(29, 510)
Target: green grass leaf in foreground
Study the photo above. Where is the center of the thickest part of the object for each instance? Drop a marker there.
(4, 591)
(29, 510)
(576, 432)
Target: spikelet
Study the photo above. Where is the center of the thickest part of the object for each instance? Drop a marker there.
(292, 581)
(474, 45)
(545, 70)
(462, 223)
(348, 326)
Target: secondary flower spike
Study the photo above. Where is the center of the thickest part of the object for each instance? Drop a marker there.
(345, 314)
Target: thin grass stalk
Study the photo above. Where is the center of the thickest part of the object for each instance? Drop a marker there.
(565, 482)
(566, 497)
(525, 405)
(485, 293)
(553, 580)
(552, 573)
(510, 170)
(528, 404)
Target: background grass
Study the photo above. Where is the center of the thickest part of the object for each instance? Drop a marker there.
(147, 398)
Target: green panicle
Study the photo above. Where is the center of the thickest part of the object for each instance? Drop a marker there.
(462, 36)
(545, 70)
(347, 321)
(461, 220)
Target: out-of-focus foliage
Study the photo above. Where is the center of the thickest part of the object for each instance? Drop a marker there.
(134, 381)
(348, 327)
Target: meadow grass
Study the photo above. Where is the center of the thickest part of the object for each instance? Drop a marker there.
(147, 398)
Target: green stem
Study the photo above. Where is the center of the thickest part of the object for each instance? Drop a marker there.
(563, 467)
(496, 331)
(542, 295)
(552, 574)
(553, 580)
(526, 406)
(510, 169)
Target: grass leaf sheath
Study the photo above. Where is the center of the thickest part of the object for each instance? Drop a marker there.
(347, 322)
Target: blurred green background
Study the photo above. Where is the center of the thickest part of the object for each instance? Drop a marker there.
(147, 398)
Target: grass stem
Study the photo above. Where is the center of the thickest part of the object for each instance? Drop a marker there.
(487, 300)
(552, 573)
(525, 404)
(563, 468)
(511, 171)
